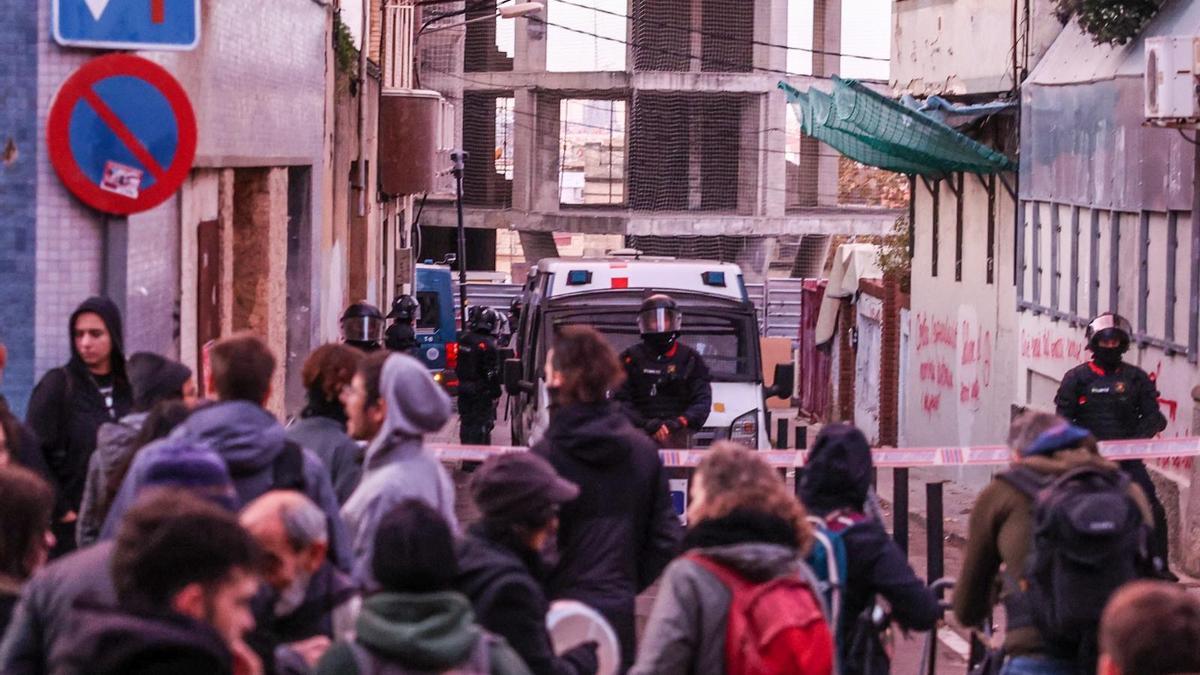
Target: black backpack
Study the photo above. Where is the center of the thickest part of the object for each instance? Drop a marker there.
(1089, 539)
(287, 472)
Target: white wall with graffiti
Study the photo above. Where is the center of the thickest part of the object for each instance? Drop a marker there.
(961, 353)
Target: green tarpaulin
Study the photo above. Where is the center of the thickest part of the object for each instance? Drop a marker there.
(870, 128)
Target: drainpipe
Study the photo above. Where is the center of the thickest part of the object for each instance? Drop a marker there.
(362, 108)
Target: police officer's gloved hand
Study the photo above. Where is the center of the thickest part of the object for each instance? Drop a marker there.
(583, 657)
(652, 426)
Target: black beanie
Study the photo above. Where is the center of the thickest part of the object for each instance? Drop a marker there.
(155, 378)
(414, 550)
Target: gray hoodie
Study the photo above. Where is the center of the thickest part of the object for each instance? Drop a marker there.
(397, 466)
(40, 620)
(249, 439)
(114, 445)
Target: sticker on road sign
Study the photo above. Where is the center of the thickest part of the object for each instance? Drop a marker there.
(121, 179)
(121, 134)
(126, 24)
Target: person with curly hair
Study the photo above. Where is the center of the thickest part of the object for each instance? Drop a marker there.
(322, 424)
(744, 524)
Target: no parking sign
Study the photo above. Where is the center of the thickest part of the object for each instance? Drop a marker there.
(122, 134)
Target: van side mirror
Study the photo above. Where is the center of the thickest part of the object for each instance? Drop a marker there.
(513, 384)
(785, 381)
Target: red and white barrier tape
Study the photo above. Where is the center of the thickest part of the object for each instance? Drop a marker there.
(985, 455)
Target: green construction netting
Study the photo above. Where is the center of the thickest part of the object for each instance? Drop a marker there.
(870, 128)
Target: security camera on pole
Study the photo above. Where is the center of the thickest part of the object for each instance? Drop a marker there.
(459, 157)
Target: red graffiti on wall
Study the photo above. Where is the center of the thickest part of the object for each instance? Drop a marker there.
(937, 373)
(931, 403)
(1045, 346)
(934, 332)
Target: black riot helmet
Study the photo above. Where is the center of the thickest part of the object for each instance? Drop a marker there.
(362, 326)
(405, 308)
(484, 320)
(659, 314)
(1109, 326)
(659, 322)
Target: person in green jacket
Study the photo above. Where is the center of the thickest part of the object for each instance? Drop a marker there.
(415, 621)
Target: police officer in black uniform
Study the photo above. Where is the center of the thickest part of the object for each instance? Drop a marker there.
(401, 336)
(362, 326)
(478, 376)
(668, 389)
(1115, 400)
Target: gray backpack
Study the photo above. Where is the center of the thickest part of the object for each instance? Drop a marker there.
(478, 662)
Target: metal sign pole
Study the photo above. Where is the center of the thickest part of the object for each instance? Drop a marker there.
(459, 157)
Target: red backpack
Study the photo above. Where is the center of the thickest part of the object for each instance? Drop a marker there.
(774, 628)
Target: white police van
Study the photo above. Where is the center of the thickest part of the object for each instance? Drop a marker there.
(718, 322)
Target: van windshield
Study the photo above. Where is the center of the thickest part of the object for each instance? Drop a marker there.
(431, 308)
(728, 343)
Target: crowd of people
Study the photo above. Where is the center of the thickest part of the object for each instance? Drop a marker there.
(147, 529)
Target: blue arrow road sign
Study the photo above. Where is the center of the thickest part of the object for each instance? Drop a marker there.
(126, 24)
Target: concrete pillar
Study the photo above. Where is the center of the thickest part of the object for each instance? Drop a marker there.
(827, 37)
(695, 157)
(530, 56)
(1189, 541)
(536, 154)
(696, 48)
(528, 172)
(770, 27)
(259, 264)
(750, 167)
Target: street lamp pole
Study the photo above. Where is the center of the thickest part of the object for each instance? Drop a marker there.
(459, 157)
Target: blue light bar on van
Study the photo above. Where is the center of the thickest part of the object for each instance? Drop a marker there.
(713, 278)
(579, 277)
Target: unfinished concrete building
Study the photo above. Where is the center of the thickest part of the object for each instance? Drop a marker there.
(681, 145)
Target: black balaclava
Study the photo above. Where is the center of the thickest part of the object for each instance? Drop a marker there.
(1108, 358)
(660, 343)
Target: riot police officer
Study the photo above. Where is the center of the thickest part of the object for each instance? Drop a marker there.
(1117, 400)
(478, 376)
(401, 336)
(668, 390)
(362, 326)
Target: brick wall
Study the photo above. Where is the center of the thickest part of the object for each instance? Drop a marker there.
(859, 184)
(19, 148)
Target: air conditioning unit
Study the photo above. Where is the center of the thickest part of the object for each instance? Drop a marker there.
(1172, 70)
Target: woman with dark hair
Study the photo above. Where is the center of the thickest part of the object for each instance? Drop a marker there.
(416, 621)
(26, 504)
(620, 533)
(322, 424)
(744, 524)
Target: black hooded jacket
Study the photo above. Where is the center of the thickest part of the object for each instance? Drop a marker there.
(110, 641)
(616, 538)
(837, 477)
(66, 408)
(503, 579)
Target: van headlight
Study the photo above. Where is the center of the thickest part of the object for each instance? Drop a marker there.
(744, 430)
